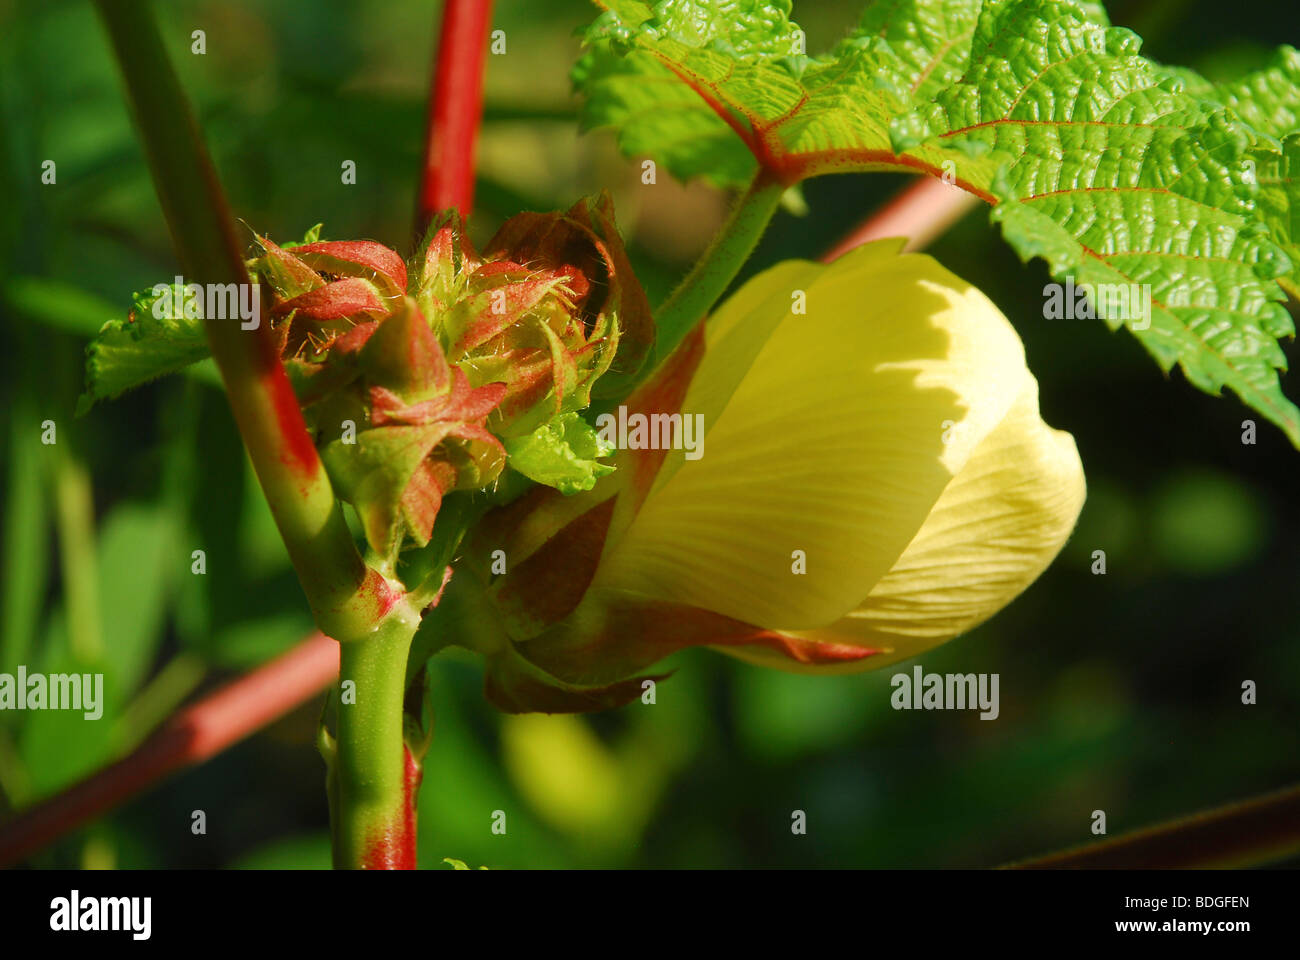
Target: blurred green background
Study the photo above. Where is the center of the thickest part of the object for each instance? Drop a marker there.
(1119, 692)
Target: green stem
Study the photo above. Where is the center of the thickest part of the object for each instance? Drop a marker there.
(346, 598)
(373, 773)
(371, 618)
(715, 270)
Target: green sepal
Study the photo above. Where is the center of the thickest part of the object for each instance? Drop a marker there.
(374, 472)
(564, 454)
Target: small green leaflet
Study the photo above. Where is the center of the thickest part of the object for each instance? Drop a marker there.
(564, 454)
(1115, 170)
(147, 344)
(311, 236)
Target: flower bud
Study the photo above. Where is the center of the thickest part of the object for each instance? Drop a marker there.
(837, 520)
(414, 395)
(550, 308)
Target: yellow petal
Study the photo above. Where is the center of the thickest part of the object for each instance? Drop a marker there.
(998, 525)
(830, 432)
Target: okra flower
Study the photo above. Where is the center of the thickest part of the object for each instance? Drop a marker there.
(875, 480)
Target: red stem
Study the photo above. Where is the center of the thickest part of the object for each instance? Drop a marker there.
(396, 850)
(455, 110)
(921, 211)
(191, 736)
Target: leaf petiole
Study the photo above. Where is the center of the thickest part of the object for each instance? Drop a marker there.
(719, 265)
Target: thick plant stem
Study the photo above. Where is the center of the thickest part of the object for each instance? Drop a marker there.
(346, 598)
(715, 270)
(356, 605)
(373, 774)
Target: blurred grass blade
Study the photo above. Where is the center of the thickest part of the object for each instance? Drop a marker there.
(58, 305)
(26, 552)
(75, 521)
(138, 559)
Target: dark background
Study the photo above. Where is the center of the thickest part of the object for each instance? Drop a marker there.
(1119, 692)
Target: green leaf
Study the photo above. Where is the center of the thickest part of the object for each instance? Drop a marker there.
(147, 344)
(716, 90)
(659, 117)
(1115, 170)
(1278, 174)
(1269, 99)
(932, 40)
(564, 454)
(1269, 102)
(1110, 170)
(708, 88)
